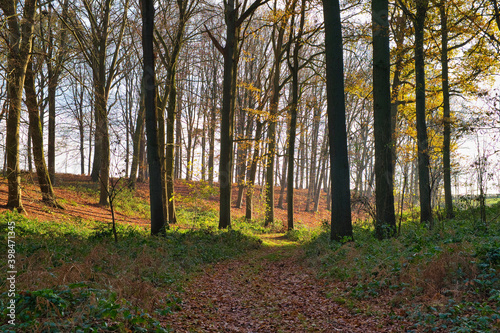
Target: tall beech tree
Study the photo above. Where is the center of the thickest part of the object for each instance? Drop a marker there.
(149, 86)
(385, 223)
(279, 48)
(448, 199)
(418, 19)
(293, 64)
(35, 126)
(341, 224)
(55, 44)
(101, 50)
(422, 139)
(20, 42)
(169, 59)
(230, 52)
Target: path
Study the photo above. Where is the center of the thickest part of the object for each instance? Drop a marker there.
(267, 290)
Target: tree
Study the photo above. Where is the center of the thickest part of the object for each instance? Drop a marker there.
(136, 140)
(418, 18)
(279, 49)
(293, 64)
(385, 223)
(96, 37)
(230, 53)
(448, 199)
(339, 164)
(422, 139)
(55, 59)
(20, 42)
(155, 187)
(48, 196)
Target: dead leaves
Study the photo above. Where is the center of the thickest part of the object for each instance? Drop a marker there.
(255, 294)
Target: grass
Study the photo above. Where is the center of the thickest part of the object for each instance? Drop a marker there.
(72, 276)
(447, 278)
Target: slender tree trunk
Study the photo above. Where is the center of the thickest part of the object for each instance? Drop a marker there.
(244, 156)
(29, 148)
(160, 113)
(339, 161)
(178, 143)
(448, 199)
(422, 140)
(396, 83)
(294, 69)
(96, 164)
(48, 196)
(51, 147)
(81, 130)
(204, 148)
(136, 142)
(170, 158)
(300, 178)
(281, 198)
(271, 133)
(323, 158)
(253, 171)
(314, 153)
(101, 99)
(385, 224)
(143, 164)
(211, 135)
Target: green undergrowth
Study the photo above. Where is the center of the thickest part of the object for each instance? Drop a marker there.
(445, 279)
(208, 218)
(72, 276)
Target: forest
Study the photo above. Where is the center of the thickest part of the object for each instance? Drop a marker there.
(250, 166)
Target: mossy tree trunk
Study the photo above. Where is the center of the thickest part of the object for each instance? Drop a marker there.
(20, 32)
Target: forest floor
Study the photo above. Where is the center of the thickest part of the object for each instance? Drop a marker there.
(78, 195)
(254, 279)
(271, 289)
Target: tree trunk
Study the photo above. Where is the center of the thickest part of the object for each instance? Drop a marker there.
(51, 147)
(96, 164)
(448, 199)
(136, 141)
(160, 113)
(155, 188)
(48, 196)
(314, 153)
(211, 130)
(271, 132)
(143, 163)
(281, 198)
(101, 102)
(422, 140)
(170, 158)
(253, 171)
(339, 161)
(20, 31)
(29, 148)
(227, 116)
(243, 163)
(294, 69)
(385, 223)
(322, 161)
(178, 143)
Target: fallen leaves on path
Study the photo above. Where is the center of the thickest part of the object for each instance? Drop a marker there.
(267, 290)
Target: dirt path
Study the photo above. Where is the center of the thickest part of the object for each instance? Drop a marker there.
(267, 290)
